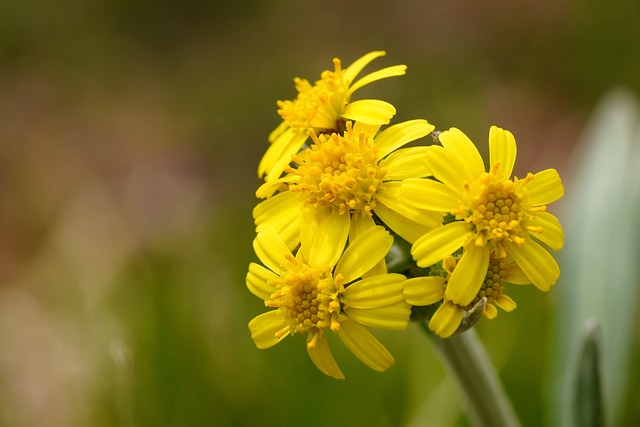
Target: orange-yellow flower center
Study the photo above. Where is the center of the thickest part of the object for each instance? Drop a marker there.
(308, 297)
(317, 106)
(339, 171)
(493, 284)
(496, 210)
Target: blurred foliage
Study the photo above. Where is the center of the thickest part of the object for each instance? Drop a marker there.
(589, 403)
(130, 136)
(601, 281)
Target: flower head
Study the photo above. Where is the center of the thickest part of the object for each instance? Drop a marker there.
(324, 107)
(493, 215)
(352, 175)
(449, 315)
(324, 288)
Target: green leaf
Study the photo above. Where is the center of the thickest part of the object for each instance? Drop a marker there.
(588, 404)
(600, 273)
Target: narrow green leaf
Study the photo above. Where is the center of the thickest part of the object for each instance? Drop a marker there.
(588, 404)
(599, 269)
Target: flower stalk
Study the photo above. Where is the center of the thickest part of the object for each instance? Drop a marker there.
(467, 360)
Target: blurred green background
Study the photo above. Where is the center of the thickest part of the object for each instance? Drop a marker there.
(130, 134)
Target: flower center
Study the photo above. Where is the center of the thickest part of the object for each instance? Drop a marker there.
(496, 209)
(308, 297)
(493, 284)
(315, 104)
(339, 171)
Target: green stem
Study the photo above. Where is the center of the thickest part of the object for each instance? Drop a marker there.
(467, 359)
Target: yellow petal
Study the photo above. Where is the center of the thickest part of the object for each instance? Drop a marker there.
(281, 212)
(289, 232)
(446, 319)
(490, 311)
(379, 268)
(369, 111)
(285, 156)
(405, 163)
(441, 242)
(329, 240)
(393, 71)
(468, 276)
(375, 291)
(552, 234)
(536, 262)
(398, 135)
(360, 225)
(454, 140)
(447, 168)
(279, 154)
(546, 187)
(358, 65)
(502, 149)
(424, 290)
(407, 229)
(515, 275)
(310, 217)
(365, 346)
(321, 356)
(390, 195)
(282, 204)
(505, 302)
(430, 195)
(364, 253)
(269, 188)
(393, 317)
(272, 250)
(278, 131)
(284, 135)
(368, 129)
(265, 327)
(326, 115)
(258, 279)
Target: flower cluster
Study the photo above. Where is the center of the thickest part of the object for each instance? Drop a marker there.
(342, 192)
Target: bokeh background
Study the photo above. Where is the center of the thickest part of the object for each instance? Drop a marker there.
(130, 133)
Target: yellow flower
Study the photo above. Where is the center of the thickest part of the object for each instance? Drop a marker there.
(351, 176)
(429, 290)
(318, 290)
(494, 215)
(324, 107)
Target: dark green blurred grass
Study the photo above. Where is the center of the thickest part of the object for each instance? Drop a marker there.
(91, 90)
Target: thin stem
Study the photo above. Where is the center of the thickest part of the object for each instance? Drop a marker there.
(467, 359)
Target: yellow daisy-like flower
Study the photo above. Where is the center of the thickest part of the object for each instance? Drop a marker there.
(494, 215)
(351, 176)
(446, 320)
(317, 291)
(324, 107)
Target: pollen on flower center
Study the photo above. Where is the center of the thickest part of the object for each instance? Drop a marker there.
(340, 171)
(308, 298)
(495, 209)
(314, 100)
(493, 284)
